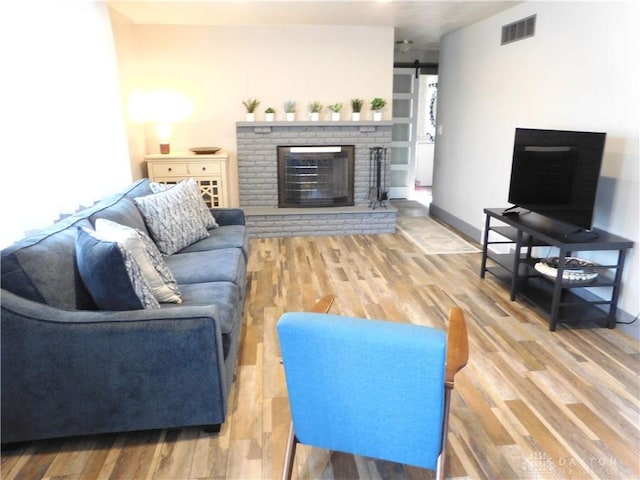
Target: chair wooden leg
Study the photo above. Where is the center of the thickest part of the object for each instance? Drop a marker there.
(287, 469)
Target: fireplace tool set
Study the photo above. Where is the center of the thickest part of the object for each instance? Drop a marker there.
(378, 194)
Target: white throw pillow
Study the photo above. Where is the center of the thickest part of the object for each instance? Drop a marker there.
(154, 269)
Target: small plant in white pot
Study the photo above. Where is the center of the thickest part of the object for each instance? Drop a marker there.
(270, 114)
(251, 104)
(377, 104)
(315, 108)
(290, 110)
(356, 107)
(335, 111)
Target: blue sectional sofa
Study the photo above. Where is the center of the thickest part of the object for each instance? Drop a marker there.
(70, 368)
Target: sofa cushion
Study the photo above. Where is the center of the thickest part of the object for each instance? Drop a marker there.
(124, 212)
(42, 267)
(173, 218)
(224, 295)
(227, 236)
(139, 188)
(111, 274)
(222, 265)
(148, 257)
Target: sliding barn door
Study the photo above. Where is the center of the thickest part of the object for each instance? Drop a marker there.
(403, 141)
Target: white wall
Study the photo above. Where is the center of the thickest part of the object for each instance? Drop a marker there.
(126, 58)
(579, 72)
(219, 67)
(63, 137)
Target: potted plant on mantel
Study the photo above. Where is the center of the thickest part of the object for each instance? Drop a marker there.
(251, 104)
(356, 106)
(377, 104)
(335, 111)
(315, 108)
(290, 110)
(270, 114)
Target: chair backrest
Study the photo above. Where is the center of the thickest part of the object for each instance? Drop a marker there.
(367, 387)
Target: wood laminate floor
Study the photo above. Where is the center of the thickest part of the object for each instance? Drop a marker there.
(531, 404)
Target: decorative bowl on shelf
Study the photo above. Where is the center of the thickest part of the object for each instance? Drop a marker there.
(205, 150)
(576, 270)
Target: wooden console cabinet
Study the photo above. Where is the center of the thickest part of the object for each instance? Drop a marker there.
(563, 301)
(210, 171)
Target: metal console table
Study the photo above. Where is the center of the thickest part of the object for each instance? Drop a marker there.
(562, 301)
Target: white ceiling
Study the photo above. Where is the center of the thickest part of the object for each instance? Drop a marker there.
(421, 21)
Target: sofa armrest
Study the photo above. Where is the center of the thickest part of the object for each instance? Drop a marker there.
(228, 216)
(70, 373)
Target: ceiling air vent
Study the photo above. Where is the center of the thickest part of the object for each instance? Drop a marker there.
(519, 30)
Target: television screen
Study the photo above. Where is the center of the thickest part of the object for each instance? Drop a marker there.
(555, 173)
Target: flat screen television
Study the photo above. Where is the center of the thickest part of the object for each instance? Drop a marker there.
(555, 173)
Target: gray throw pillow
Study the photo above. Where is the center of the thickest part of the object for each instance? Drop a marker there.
(111, 274)
(173, 217)
(194, 190)
(154, 269)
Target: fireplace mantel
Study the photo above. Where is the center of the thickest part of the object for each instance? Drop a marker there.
(319, 123)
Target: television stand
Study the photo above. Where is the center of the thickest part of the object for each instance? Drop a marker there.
(563, 301)
(581, 235)
(511, 210)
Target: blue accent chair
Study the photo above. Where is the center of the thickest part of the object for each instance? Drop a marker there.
(372, 388)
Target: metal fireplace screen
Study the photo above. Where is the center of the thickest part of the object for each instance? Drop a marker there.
(315, 176)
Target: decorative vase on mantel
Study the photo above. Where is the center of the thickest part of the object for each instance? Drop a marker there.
(251, 104)
(290, 110)
(269, 114)
(356, 106)
(314, 109)
(377, 104)
(335, 111)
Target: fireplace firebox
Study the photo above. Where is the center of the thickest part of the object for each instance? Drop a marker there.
(315, 176)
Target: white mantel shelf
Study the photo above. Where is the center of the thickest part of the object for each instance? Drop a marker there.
(319, 123)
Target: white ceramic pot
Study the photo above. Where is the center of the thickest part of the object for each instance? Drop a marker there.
(315, 116)
(291, 116)
(355, 116)
(377, 116)
(335, 116)
(269, 117)
(251, 117)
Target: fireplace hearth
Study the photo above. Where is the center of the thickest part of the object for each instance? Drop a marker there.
(315, 176)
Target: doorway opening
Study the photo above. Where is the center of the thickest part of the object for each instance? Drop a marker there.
(414, 131)
(425, 137)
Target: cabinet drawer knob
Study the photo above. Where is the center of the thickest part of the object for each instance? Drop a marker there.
(204, 169)
(169, 169)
